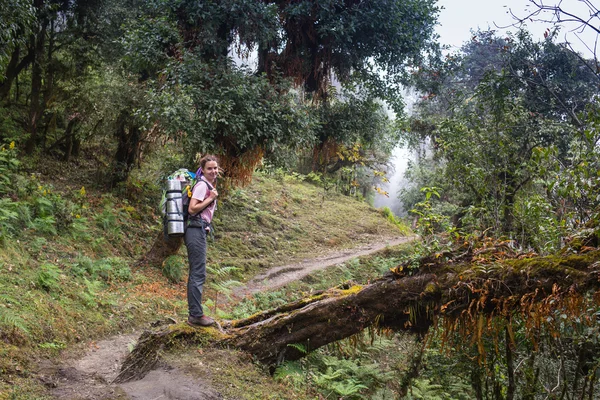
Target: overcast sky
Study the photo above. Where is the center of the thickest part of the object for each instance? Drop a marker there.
(460, 16)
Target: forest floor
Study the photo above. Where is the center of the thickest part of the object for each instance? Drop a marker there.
(88, 371)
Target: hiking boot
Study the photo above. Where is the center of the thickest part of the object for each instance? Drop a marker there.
(200, 321)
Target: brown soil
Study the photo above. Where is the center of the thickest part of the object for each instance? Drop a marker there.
(90, 377)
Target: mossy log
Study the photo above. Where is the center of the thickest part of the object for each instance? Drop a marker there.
(394, 301)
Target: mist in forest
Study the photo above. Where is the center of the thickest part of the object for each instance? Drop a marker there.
(399, 162)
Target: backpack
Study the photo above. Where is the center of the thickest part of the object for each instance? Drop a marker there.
(174, 205)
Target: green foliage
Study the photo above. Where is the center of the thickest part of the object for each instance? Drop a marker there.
(16, 20)
(220, 282)
(402, 226)
(504, 117)
(9, 319)
(52, 345)
(48, 277)
(173, 268)
(147, 43)
(538, 225)
(291, 373)
(80, 229)
(424, 389)
(429, 221)
(332, 32)
(89, 296)
(229, 102)
(107, 269)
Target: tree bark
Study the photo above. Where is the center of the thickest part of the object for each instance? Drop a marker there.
(129, 137)
(163, 247)
(395, 301)
(11, 73)
(35, 107)
(70, 138)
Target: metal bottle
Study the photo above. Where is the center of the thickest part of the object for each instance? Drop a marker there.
(175, 226)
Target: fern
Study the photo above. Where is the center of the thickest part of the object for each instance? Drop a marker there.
(46, 224)
(48, 276)
(348, 387)
(291, 372)
(300, 347)
(5, 298)
(11, 320)
(424, 389)
(219, 284)
(224, 286)
(88, 297)
(221, 271)
(172, 268)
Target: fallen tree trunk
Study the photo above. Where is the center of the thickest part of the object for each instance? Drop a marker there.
(395, 301)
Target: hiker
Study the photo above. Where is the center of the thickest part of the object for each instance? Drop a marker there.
(201, 209)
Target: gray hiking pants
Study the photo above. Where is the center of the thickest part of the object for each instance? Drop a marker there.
(195, 241)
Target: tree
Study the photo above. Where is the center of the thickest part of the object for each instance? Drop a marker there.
(356, 40)
(574, 17)
(16, 21)
(486, 130)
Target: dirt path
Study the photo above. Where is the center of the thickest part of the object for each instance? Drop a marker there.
(277, 277)
(90, 377)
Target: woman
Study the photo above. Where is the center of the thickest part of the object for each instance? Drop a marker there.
(201, 209)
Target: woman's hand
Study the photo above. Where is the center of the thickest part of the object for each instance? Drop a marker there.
(213, 194)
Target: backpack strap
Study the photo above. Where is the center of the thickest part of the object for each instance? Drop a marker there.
(210, 187)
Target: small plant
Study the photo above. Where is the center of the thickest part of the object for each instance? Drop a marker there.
(45, 225)
(107, 219)
(389, 215)
(173, 268)
(429, 221)
(48, 277)
(291, 373)
(53, 345)
(219, 282)
(9, 319)
(88, 297)
(80, 231)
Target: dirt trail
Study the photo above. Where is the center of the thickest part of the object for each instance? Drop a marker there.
(90, 377)
(277, 277)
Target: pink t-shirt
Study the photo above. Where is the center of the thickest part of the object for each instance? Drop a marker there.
(200, 193)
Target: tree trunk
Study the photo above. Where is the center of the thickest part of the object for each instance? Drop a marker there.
(129, 137)
(396, 302)
(11, 73)
(70, 141)
(163, 247)
(510, 366)
(48, 90)
(35, 106)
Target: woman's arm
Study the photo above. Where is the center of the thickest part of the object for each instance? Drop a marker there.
(197, 206)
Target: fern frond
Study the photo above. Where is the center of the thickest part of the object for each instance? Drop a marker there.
(298, 346)
(12, 321)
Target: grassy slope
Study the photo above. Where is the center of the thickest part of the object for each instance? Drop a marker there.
(78, 283)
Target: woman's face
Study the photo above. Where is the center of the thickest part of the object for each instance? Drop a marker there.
(210, 170)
